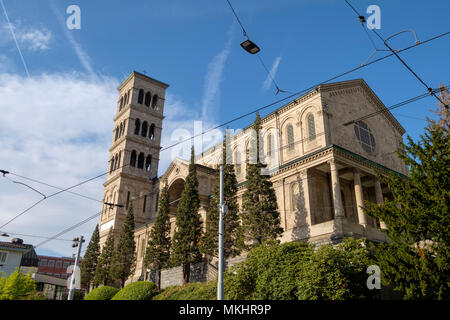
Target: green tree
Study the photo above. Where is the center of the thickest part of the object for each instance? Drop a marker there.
(296, 270)
(231, 239)
(18, 286)
(260, 216)
(124, 257)
(90, 260)
(416, 262)
(103, 270)
(186, 239)
(158, 249)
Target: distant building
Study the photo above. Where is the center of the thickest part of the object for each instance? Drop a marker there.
(16, 254)
(55, 266)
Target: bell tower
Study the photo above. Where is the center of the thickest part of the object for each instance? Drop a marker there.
(134, 153)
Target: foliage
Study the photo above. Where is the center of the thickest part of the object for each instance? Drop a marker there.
(186, 239)
(231, 239)
(102, 293)
(158, 249)
(90, 259)
(190, 291)
(416, 262)
(260, 216)
(18, 286)
(123, 261)
(296, 270)
(103, 270)
(140, 290)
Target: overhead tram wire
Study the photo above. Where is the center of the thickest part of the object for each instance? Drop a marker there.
(257, 54)
(52, 195)
(301, 92)
(247, 114)
(399, 58)
(405, 102)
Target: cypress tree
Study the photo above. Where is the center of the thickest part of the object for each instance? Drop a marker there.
(260, 216)
(231, 219)
(158, 249)
(103, 270)
(125, 254)
(186, 239)
(417, 261)
(90, 259)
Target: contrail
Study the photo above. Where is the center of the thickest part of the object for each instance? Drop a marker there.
(15, 39)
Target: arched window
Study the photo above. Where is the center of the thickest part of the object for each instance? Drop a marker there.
(148, 163)
(125, 99)
(117, 134)
(111, 166)
(133, 158)
(152, 132)
(311, 127)
(155, 101)
(137, 126)
(124, 126)
(140, 164)
(121, 103)
(148, 97)
(128, 96)
(290, 136)
(121, 130)
(144, 129)
(118, 161)
(141, 96)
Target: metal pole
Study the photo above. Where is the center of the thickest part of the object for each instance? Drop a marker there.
(221, 211)
(72, 282)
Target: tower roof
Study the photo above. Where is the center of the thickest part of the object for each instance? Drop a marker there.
(138, 74)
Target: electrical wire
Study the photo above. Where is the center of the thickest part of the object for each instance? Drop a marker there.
(277, 149)
(300, 92)
(259, 57)
(399, 58)
(52, 195)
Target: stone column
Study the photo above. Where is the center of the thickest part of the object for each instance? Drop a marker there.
(339, 213)
(336, 188)
(379, 197)
(359, 198)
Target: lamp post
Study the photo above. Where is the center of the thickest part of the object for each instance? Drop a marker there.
(78, 242)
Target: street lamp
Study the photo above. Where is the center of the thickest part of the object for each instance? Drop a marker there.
(250, 46)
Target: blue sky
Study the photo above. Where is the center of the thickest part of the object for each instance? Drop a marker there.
(57, 124)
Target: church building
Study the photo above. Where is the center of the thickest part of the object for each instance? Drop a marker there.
(322, 150)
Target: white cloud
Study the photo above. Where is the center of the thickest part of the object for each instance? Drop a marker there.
(56, 128)
(29, 38)
(273, 72)
(34, 39)
(214, 77)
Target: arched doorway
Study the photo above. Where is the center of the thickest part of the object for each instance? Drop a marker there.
(175, 190)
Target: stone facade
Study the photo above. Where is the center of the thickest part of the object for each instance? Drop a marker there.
(321, 161)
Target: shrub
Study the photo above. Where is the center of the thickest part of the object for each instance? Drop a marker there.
(140, 290)
(190, 291)
(296, 271)
(18, 286)
(102, 293)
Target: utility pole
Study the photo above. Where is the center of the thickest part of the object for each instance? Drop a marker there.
(222, 210)
(78, 242)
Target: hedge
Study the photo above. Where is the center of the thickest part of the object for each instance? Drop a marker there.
(140, 290)
(102, 293)
(190, 291)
